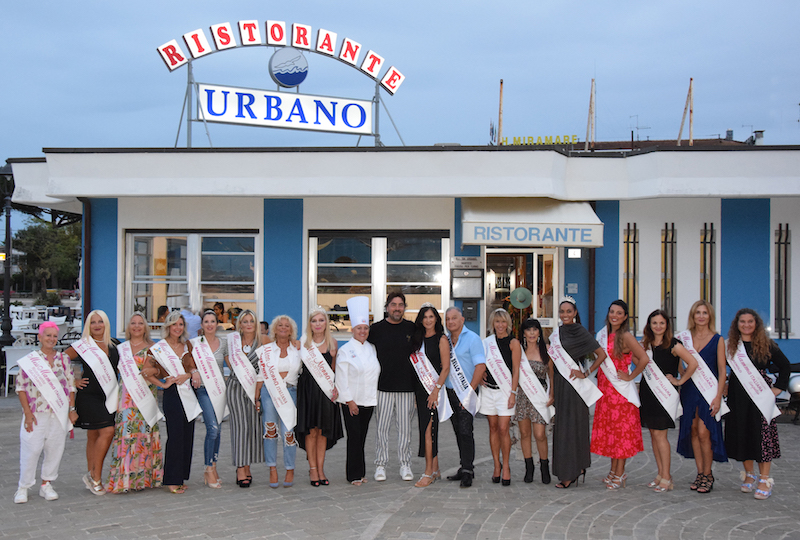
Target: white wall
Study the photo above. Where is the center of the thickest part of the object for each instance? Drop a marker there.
(688, 216)
(372, 213)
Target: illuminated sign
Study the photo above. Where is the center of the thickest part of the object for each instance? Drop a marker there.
(546, 140)
(245, 106)
(279, 34)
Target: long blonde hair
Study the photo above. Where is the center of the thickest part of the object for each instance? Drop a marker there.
(256, 324)
(712, 317)
(327, 337)
(87, 326)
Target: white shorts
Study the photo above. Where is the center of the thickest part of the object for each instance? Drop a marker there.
(494, 403)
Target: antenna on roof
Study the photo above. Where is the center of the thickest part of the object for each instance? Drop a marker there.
(590, 123)
(689, 107)
(638, 127)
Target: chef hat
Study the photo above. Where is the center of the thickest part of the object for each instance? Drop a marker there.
(358, 308)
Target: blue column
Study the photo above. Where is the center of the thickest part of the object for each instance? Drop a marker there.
(606, 275)
(103, 272)
(575, 271)
(466, 251)
(744, 266)
(283, 259)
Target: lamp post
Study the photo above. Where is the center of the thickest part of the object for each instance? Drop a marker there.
(7, 189)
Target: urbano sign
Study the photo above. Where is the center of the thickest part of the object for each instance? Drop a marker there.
(279, 34)
(263, 108)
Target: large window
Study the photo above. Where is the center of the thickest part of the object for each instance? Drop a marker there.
(169, 271)
(708, 244)
(783, 244)
(343, 264)
(630, 275)
(668, 244)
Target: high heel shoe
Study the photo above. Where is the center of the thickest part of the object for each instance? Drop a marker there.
(694, 485)
(706, 484)
(208, 479)
(664, 485)
(314, 483)
(608, 478)
(506, 481)
(242, 482)
(618, 482)
(273, 474)
(653, 483)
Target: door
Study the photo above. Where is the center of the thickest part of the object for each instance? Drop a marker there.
(532, 269)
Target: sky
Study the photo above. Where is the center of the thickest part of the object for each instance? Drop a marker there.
(87, 74)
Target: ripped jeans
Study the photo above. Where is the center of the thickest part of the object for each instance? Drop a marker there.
(270, 422)
(213, 435)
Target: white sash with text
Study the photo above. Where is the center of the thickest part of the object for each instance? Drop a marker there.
(753, 383)
(244, 370)
(316, 365)
(212, 377)
(38, 369)
(276, 386)
(170, 361)
(626, 389)
(536, 393)
(497, 366)
(662, 389)
(98, 362)
(703, 378)
(427, 376)
(461, 385)
(136, 386)
(585, 388)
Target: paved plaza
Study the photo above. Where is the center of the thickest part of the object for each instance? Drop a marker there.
(395, 509)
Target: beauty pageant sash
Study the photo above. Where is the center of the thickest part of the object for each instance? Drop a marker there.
(38, 370)
(211, 375)
(753, 383)
(244, 370)
(497, 366)
(662, 389)
(585, 388)
(626, 389)
(427, 376)
(461, 385)
(98, 362)
(534, 390)
(137, 386)
(703, 378)
(276, 386)
(316, 365)
(170, 361)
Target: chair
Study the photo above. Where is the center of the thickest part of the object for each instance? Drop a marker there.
(58, 320)
(13, 354)
(69, 337)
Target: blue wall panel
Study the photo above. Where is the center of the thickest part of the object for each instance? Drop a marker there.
(607, 270)
(283, 259)
(103, 274)
(744, 253)
(575, 271)
(465, 251)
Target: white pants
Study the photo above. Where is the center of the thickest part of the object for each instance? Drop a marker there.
(401, 406)
(47, 435)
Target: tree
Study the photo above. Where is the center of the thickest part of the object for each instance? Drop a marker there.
(50, 253)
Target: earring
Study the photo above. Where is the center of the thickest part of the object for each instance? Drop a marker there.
(538, 338)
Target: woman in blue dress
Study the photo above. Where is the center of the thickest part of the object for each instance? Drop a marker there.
(700, 434)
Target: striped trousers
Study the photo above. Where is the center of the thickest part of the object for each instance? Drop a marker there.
(400, 407)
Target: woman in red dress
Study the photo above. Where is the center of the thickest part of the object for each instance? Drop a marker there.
(617, 428)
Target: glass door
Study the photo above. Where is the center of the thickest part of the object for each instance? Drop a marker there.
(533, 269)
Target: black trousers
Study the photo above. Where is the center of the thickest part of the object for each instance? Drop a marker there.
(180, 440)
(356, 427)
(462, 425)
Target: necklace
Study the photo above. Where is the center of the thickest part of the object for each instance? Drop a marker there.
(321, 343)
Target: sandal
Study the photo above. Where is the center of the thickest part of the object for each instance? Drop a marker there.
(694, 485)
(425, 480)
(707, 484)
(608, 478)
(763, 494)
(662, 486)
(177, 490)
(618, 482)
(655, 481)
(749, 480)
(357, 482)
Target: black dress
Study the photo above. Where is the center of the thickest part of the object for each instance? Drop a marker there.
(90, 401)
(424, 414)
(653, 414)
(504, 346)
(747, 433)
(315, 410)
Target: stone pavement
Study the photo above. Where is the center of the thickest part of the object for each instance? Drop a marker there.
(395, 509)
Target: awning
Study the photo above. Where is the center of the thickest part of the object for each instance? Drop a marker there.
(529, 222)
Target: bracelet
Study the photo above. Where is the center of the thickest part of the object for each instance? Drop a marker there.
(514, 392)
(194, 371)
(72, 409)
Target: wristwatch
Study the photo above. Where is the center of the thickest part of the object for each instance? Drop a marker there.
(439, 386)
(72, 409)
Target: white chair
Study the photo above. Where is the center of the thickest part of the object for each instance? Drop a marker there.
(13, 354)
(58, 320)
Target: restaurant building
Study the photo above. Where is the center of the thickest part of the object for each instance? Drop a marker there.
(281, 230)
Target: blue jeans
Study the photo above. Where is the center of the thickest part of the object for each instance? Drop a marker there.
(271, 420)
(213, 435)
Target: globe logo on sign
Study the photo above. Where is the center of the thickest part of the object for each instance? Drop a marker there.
(288, 67)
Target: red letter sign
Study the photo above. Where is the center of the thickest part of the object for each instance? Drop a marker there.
(223, 36)
(372, 64)
(326, 42)
(300, 33)
(197, 43)
(392, 80)
(249, 33)
(172, 55)
(276, 33)
(350, 51)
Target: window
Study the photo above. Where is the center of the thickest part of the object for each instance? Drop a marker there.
(194, 269)
(783, 244)
(707, 262)
(668, 244)
(343, 264)
(630, 275)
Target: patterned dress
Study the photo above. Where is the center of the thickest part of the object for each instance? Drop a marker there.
(525, 409)
(137, 460)
(617, 428)
(246, 429)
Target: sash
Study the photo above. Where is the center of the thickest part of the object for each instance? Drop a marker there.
(703, 378)
(38, 369)
(462, 387)
(496, 365)
(427, 376)
(626, 389)
(244, 370)
(319, 369)
(167, 358)
(136, 386)
(98, 362)
(585, 388)
(753, 383)
(276, 387)
(662, 389)
(211, 375)
(534, 390)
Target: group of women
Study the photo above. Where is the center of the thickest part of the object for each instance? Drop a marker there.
(283, 388)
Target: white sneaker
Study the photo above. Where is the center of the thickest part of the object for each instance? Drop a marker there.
(47, 492)
(21, 496)
(405, 473)
(380, 473)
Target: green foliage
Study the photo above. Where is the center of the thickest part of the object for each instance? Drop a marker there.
(50, 254)
(48, 299)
